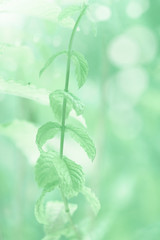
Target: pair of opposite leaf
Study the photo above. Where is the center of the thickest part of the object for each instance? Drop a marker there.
(81, 65)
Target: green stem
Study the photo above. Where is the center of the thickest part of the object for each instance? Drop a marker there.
(69, 55)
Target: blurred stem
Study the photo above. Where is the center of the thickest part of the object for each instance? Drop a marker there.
(69, 55)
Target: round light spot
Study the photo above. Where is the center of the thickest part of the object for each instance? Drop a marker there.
(102, 13)
(134, 9)
(122, 191)
(146, 40)
(124, 51)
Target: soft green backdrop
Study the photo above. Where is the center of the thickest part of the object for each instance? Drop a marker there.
(120, 40)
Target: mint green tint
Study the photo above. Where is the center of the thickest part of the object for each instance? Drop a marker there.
(79, 122)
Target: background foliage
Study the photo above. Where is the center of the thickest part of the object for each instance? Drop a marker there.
(120, 40)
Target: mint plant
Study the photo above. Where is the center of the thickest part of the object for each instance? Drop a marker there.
(53, 169)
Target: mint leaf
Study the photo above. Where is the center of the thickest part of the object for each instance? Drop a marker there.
(50, 60)
(70, 174)
(92, 199)
(56, 102)
(45, 171)
(73, 178)
(52, 170)
(46, 132)
(78, 106)
(81, 136)
(81, 67)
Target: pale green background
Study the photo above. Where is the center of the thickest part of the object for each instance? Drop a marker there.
(122, 112)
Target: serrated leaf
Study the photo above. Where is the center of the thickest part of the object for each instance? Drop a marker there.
(50, 60)
(81, 67)
(56, 102)
(46, 132)
(73, 179)
(80, 135)
(68, 174)
(92, 199)
(69, 11)
(45, 171)
(78, 106)
(25, 91)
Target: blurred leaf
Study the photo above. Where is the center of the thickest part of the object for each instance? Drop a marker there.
(81, 67)
(56, 218)
(78, 106)
(65, 17)
(56, 102)
(81, 136)
(39, 8)
(46, 132)
(73, 183)
(23, 134)
(45, 171)
(39, 210)
(92, 199)
(50, 60)
(68, 174)
(25, 91)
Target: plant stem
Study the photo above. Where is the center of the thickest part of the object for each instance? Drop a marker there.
(69, 55)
